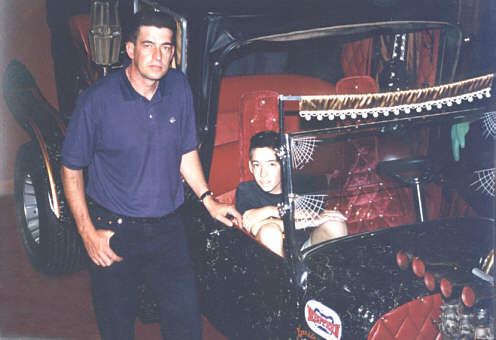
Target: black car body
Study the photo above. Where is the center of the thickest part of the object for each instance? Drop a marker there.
(388, 170)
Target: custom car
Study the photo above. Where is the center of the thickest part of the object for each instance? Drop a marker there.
(369, 102)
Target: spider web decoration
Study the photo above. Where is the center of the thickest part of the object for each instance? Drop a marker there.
(485, 181)
(308, 208)
(302, 149)
(489, 124)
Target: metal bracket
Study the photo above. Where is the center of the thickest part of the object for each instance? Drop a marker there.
(282, 152)
(282, 209)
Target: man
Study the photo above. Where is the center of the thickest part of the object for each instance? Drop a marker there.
(135, 131)
(257, 200)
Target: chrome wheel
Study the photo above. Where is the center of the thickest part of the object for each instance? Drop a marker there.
(31, 212)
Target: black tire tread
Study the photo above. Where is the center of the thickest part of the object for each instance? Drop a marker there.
(60, 250)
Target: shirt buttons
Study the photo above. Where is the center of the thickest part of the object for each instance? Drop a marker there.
(150, 116)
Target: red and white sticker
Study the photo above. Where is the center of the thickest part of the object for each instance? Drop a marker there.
(323, 320)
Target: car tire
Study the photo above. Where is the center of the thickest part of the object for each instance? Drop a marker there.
(53, 247)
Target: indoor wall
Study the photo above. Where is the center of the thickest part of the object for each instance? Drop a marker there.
(24, 35)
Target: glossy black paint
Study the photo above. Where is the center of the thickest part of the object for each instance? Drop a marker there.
(246, 291)
(358, 276)
(250, 293)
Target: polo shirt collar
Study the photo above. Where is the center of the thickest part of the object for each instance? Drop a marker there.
(129, 93)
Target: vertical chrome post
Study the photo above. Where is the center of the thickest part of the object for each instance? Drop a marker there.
(418, 192)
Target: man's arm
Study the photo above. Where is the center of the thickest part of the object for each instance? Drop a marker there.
(192, 172)
(96, 242)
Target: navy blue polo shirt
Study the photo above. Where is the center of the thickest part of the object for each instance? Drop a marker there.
(132, 146)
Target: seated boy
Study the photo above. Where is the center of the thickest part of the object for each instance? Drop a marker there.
(257, 200)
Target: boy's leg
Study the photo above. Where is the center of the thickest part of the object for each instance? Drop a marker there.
(328, 230)
(271, 236)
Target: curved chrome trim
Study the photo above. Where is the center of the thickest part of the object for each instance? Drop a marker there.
(44, 152)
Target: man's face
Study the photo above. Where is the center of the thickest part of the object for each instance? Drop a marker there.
(266, 169)
(152, 53)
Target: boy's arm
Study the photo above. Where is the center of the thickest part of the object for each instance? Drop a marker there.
(253, 216)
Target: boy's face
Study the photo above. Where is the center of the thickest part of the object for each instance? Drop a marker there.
(266, 169)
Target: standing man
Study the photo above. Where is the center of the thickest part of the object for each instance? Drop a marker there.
(135, 131)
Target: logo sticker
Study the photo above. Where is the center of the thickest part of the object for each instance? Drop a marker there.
(323, 320)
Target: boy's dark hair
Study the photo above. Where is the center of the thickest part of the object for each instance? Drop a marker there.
(265, 139)
(150, 18)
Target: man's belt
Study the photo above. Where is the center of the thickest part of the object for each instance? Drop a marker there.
(110, 217)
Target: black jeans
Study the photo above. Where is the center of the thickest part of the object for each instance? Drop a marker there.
(154, 252)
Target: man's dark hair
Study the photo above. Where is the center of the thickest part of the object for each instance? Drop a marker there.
(265, 139)
(150, 18)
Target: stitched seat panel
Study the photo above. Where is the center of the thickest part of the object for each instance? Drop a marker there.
(411, 321)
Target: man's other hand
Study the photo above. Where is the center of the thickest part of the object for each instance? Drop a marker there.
(222, 212)
(97, 244)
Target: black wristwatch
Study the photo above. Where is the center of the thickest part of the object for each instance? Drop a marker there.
(205, 194)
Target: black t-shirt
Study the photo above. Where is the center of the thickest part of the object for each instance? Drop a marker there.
(250, 196)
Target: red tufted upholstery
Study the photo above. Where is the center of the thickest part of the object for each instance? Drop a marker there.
(411, 321)
(356, 57)
(259, 112)
(230, 164)
(233, 88)
(369, 201)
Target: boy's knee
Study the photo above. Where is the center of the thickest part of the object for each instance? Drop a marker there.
(270, 235)
(269, 231)
(335, 229)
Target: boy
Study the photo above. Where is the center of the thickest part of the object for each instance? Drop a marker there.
(257, 200)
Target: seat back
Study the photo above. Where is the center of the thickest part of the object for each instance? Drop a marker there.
(356, 85)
